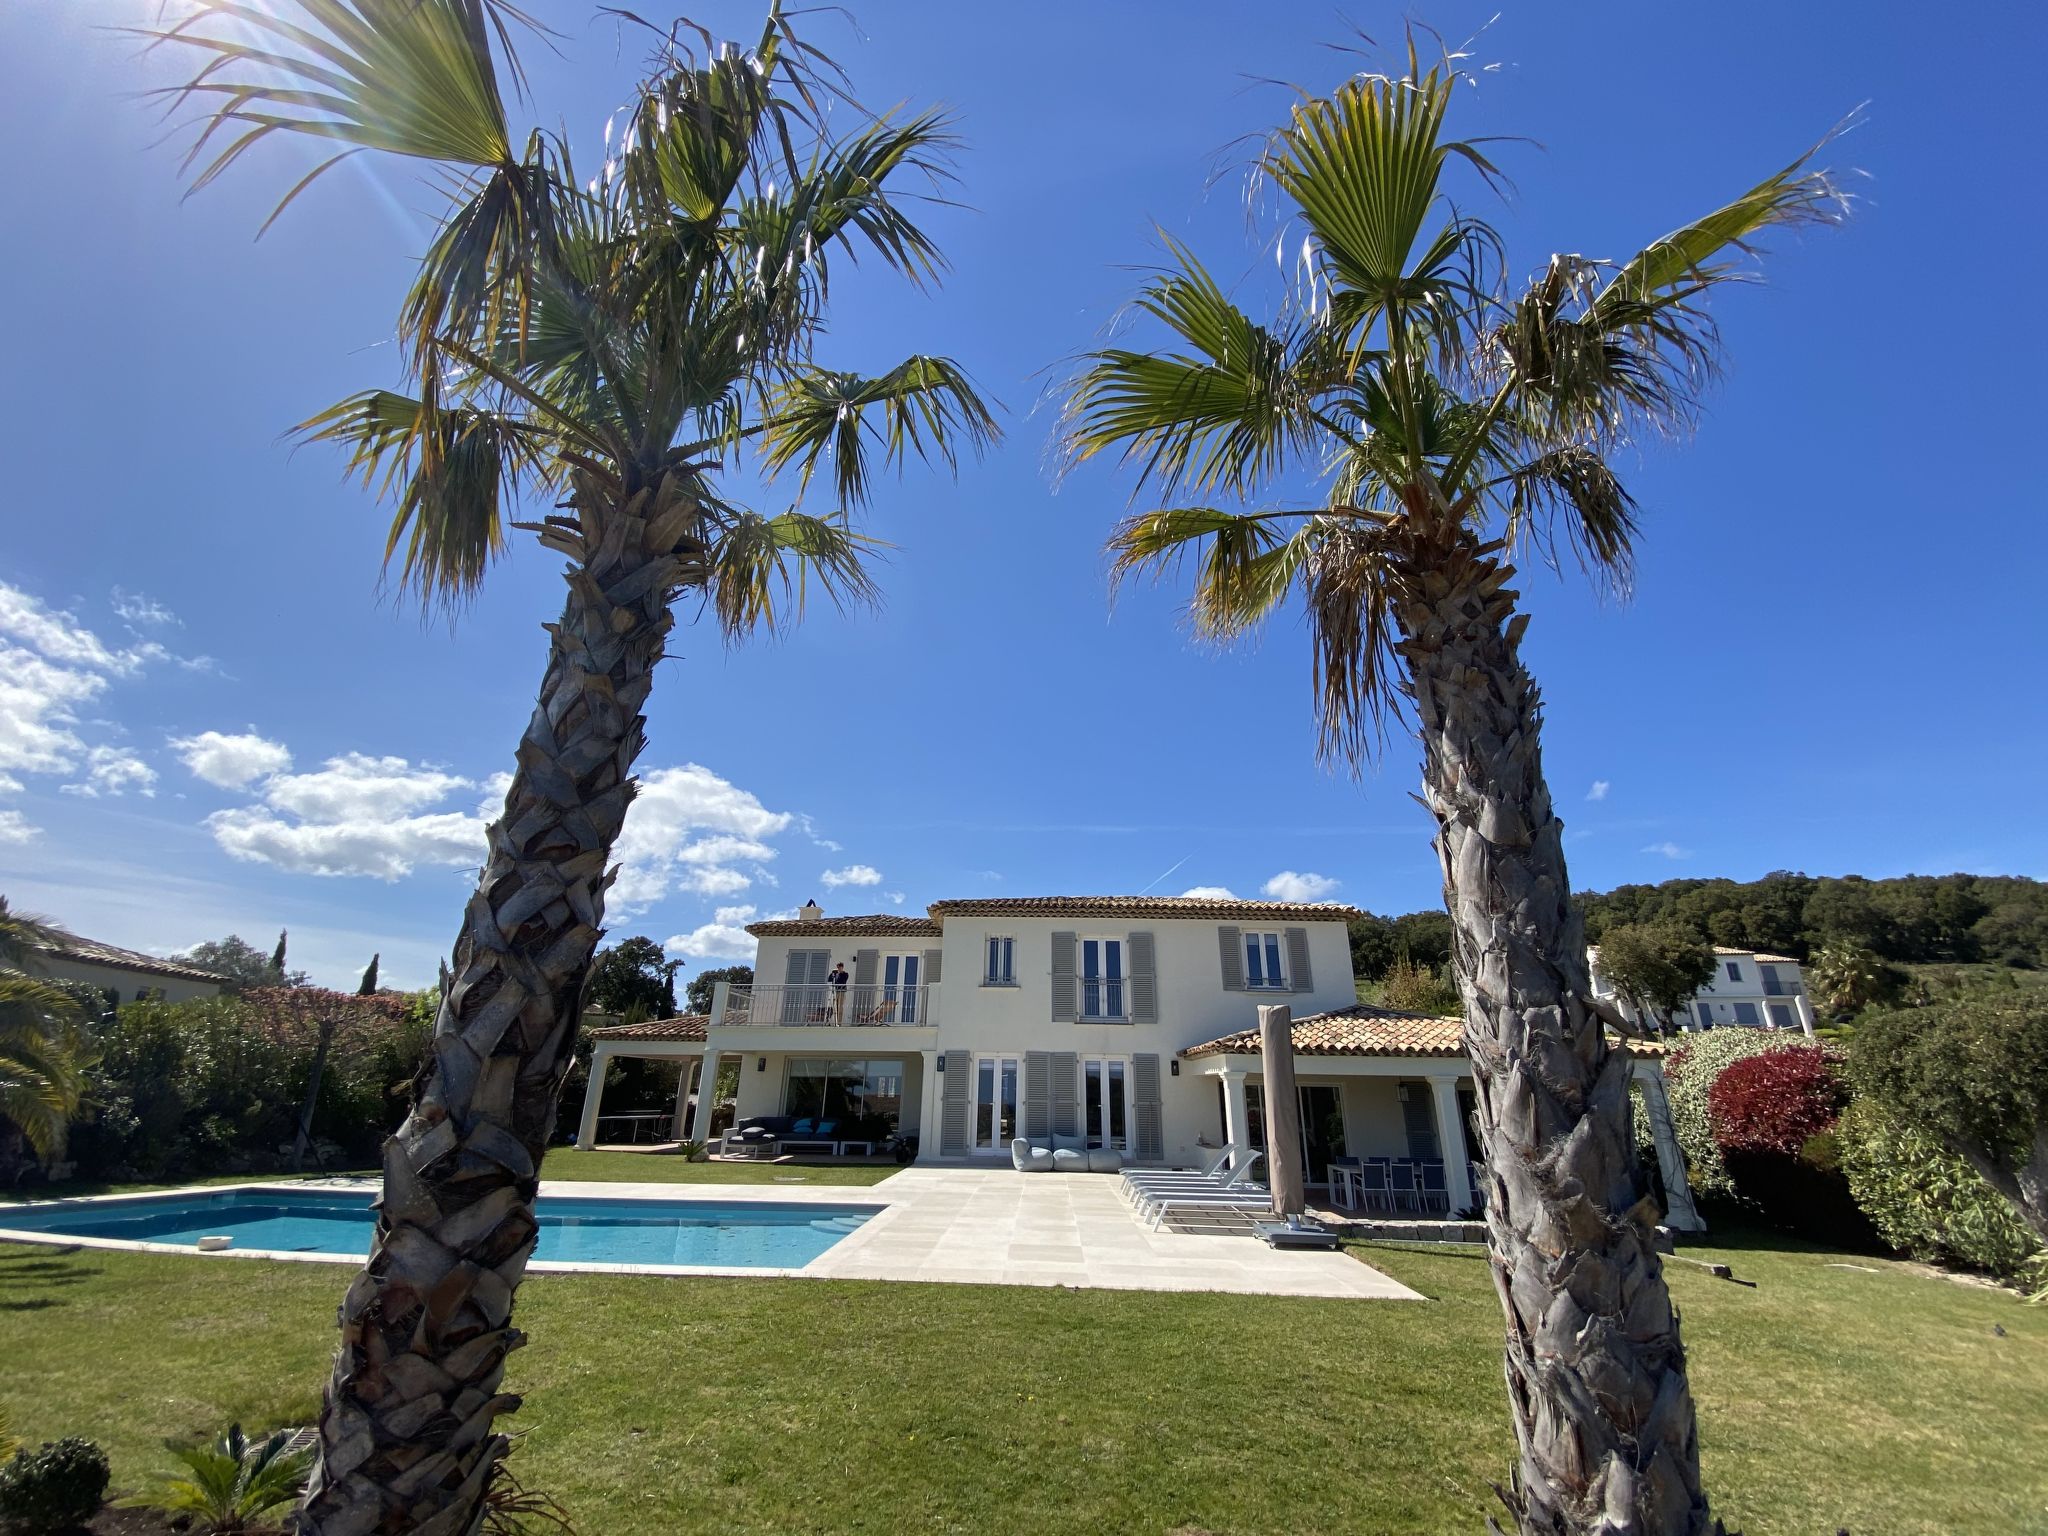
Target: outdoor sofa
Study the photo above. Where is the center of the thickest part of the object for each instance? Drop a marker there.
(1063, 1154)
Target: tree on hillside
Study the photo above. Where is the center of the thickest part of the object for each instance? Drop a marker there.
(600, 342)
(1847, 978)
(1450, 422)
(633, 977)
(1656, 967)
(242, 963)
(1971, 1070)
(43, 1054)
(702, 983)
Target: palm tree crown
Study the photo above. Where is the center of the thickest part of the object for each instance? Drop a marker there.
(43, 1055)
(637, 326)
(1401, 373)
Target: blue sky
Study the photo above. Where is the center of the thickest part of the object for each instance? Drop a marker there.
(211, 720)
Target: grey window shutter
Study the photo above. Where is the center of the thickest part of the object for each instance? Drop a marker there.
(932, 959)
(865, 963)
(1145, 1108)
(1231, 943)
(1299, 978)
(803, 992)
(1144, 980)
(799, 968)
(1037, 1095)
(1066, 1002)
(1418, 1120)
(953, 1103)
(1066, 1093)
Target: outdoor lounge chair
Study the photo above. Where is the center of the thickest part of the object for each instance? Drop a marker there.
(1237, 1188)
(1246, 1198)
(1141, 1184)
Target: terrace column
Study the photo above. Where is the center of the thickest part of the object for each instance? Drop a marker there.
(1450, 1140)
(1804, 1009)
(593, 1096)
(707, 1096)
(1680, 1214)
(1237, 1114)
(683, 1097)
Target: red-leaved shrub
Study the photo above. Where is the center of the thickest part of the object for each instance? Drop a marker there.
(1775, 1102)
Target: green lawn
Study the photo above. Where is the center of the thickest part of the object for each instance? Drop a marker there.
(1881, 1402)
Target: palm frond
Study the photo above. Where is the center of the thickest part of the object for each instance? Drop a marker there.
(1577, 487)
(410, 77)
(1245, 562)
(451, 505)
(1227, 416)
(1349, 580)
(763, 569)
(926, 406)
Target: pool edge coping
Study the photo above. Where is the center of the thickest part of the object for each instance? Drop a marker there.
(881, 1208)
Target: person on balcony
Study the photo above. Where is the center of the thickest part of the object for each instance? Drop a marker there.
(838, 980)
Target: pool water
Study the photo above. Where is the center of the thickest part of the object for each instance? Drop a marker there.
(733, 1233)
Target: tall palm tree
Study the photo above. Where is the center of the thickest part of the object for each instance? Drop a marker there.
(43, 1056)
(1447, 421)
(607, 342)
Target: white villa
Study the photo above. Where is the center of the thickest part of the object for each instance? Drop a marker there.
(1130, 1021)
(1750, 989)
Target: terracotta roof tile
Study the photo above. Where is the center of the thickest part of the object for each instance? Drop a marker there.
(686, 1026)
(1140, 906)
(73, 947)
(880, 924)
(1756, 954)
(1364, 1030)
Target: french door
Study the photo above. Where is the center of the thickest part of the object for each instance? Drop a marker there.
(998, 1084)
(1106, 1102)
(897, 1001)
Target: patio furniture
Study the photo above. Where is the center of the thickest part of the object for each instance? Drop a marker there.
(1435, 1196)
(1026, 1158)
(1401, 1181)
(1062, 1154)
(1344, 1186)
(1246, 1197)
(1375, 1191)
(1140, 1185)
(1104, 1160)
(867, 1148)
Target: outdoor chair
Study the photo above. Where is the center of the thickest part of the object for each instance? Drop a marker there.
(1401, 1181)
(1375, 1190)
(1435, 1194)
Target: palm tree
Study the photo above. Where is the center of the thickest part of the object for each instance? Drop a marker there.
(1447, 422)
(1848, 978)
(606, 342)
(43, 1057)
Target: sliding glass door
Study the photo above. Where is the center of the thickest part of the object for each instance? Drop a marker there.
(997, 1088)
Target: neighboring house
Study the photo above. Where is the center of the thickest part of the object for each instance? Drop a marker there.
(1130, 1020)
(127, 975)
(1751, 989)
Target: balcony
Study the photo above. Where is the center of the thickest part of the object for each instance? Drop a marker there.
(876, 1005)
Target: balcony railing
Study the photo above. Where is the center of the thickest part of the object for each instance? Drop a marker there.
(808, 1006)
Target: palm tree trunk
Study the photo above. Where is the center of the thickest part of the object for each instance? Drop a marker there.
(1596, 1377)
(406, 1428)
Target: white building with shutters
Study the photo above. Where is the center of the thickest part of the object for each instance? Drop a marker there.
(1749, 988)
(1125, 1020)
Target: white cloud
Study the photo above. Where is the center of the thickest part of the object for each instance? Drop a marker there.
(895, 898)
(1669, 850)
(113, 771)
(1599, 790)
(357, 787)
(138, 608)
(723, 938)
(853, 874)
(9, 784)
(13, 829)
(1290, 886)
(62, 638)
(661, 846)
(231, 762)
(1212, 892)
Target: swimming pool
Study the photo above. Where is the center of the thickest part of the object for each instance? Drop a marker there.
(574, 1230)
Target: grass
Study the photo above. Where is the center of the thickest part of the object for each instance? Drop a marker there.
(1875, 1398)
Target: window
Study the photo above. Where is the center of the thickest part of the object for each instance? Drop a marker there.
(1001, 970)
(821, 1088)
(1734, 971)
(896, 1002)
(1262, 966)
(1745, 1013)
(1102, 978)
(1706, 1012)
(1105, 1102)
(995, 1102)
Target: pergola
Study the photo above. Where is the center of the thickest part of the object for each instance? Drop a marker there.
(679, 1038)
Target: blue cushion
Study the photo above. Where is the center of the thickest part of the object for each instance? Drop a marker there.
(1070, 1143)
(1067, 1160)
(1104, 1160)
(1027, 1158)
(801, 1128)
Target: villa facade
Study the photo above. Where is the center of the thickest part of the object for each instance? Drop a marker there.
(1130, 1021)
(1749, 988)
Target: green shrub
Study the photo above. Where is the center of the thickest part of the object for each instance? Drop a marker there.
(1925, 1202)
(1689, 1074)
(233, 1482)
(54, 1488)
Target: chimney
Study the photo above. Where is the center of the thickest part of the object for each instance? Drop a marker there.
(810, 912)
